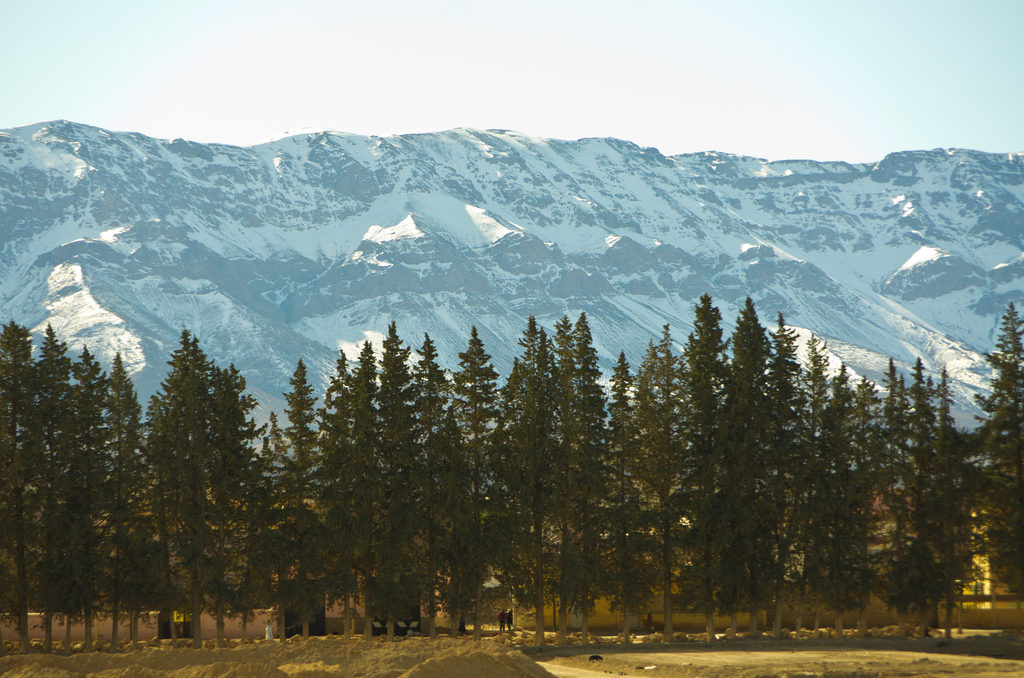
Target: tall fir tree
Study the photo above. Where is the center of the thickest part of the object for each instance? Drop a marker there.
(52, 409)
(178, 425)
(19, 464)
(919, 569)
(784, 463)
(366, 491)
(660, 445)
(338, 483)
(895, 465)
(627, 545)
(812, 499)
(702, 386)
(1002, 431)
(527, 431)
(867, 485)
(233, 468)
(304, 537)
(474, 387)
(130, 551)
(841, 535)
(436, 434)
(951, 503)
(89, 465)
(398, 463)
(743, 567)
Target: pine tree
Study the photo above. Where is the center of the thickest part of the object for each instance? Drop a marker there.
(527, 433)
(867, 486)
(273, 543)
(179, 442)
(812, 499)
(436, 435)
(659, 445)
(340, 461)
(579, 467)
(397, 463)
(474, 398)
(366, 491)
(950, 503)
(305, 532)
(626, 557)
(52, 409)
(88, 464)
(743, 462)
(895, 465)
(842, 528)
(702, 387)
(920, 575)
(784, 451)
(232, 460)
(587, 442)
(130, 553)
(19, 465)
(1002, 431)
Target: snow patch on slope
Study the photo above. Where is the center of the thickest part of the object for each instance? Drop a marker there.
(921, 256)
(489, 227)
(406, 228)
(73, 311)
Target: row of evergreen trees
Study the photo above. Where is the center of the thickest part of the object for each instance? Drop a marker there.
(727, 475)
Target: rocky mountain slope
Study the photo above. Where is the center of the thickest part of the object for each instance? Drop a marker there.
(308, 244)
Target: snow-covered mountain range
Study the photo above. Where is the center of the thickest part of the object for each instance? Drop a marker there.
(311, 243)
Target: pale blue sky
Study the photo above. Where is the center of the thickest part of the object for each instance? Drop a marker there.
(819, 79)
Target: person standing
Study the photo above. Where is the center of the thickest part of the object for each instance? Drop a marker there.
(501, 622)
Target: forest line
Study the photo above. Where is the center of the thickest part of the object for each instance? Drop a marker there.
(727, 474)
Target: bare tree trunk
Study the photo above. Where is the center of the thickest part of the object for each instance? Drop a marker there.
(777, 620)
(754, 629)
(709, 624)
(88, 630)
(174, 631)
(391, 627)
(733, 624)
(133, 629)
(47, 631)
(667, 629)
(817, 618)
(220, 624)
(245, 628)
(197, 611)
(625, 624)
(538, 593)
(901, 629)
(115, 613)
(67, 635)
(348, 616)
(585, 627)
(862, 622)
(478, 609)
(800, 614)
(368, 624)
(305, 628)
(561, 640)
(838, 624)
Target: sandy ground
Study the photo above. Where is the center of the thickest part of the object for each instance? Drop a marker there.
(974, 654)
(991, 655)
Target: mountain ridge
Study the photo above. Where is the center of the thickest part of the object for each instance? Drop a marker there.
(314, 242)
